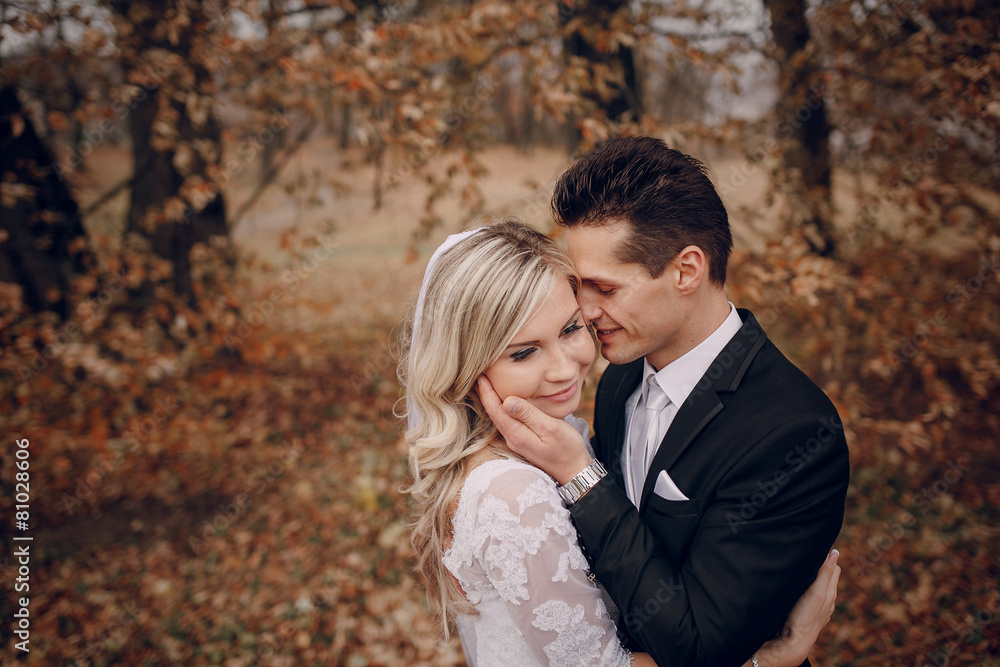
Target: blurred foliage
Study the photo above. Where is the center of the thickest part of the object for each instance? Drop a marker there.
(215, 489)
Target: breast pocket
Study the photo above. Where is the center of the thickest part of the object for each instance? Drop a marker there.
(673, 522)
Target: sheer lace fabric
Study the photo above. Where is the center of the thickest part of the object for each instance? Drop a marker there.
(516, 556)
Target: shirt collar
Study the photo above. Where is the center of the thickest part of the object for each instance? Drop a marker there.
(679, 377)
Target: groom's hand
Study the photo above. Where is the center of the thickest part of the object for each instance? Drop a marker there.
(549, 443)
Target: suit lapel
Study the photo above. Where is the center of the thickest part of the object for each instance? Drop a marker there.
(703, 404)
(694, 415)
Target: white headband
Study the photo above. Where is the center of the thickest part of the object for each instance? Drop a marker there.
(413, 415)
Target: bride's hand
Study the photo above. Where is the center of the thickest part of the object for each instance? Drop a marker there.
(810, 614)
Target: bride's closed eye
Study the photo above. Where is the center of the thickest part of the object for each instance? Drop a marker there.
(521, 355)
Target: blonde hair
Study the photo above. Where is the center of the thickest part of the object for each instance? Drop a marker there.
(478, 296)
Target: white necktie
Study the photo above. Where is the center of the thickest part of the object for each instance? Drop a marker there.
(646, 438)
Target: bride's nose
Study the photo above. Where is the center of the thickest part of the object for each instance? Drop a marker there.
(563, 366)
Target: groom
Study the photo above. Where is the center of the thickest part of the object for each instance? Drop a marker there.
(725, 468)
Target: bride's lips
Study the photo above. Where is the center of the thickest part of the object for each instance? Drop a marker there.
(564, 395)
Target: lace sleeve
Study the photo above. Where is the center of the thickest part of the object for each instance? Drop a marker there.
(530, 553)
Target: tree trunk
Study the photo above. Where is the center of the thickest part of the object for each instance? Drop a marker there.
(344, 135)
(622, 102)
(176, 138)
(271, 148)
(527, 108)
(157, 181)
(44, 245)
(379, 159)
(803, 128)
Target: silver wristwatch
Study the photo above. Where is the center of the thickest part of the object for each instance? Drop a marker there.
(584, 481)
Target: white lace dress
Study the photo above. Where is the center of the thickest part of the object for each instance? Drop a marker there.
(516, 555)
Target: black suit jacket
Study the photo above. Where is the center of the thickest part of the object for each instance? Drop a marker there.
(759, 450)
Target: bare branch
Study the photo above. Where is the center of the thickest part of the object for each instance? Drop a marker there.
(272, 173)
(701, 36)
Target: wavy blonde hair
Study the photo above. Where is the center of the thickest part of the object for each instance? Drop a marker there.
(478, 296)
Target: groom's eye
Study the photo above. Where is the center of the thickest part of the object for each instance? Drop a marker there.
(521, 355)
(603, 292)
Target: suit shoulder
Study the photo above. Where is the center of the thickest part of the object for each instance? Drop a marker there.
(784, 382)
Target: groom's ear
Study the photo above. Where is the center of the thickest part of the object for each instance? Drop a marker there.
(691, 266)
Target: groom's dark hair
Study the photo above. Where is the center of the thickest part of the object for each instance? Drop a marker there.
(664, 195)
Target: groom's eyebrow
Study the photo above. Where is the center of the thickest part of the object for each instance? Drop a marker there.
(603, 280)
(535, 342)
(617, 282)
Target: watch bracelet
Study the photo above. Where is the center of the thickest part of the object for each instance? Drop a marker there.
(583, 482)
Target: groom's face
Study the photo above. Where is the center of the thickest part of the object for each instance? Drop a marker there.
(634, 314)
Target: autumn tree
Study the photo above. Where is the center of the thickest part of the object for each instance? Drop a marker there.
(802, 123)
(167, 49)
(44, 250)
(599, 49)
(882, 150)
(899, 323)
(44, 246)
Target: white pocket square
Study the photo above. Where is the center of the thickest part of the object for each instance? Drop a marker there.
(666, 489)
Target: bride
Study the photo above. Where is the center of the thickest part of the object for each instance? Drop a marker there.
(495, 546)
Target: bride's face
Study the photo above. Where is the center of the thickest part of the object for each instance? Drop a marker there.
(548, 358)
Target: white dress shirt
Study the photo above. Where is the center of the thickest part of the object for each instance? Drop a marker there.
(677, 379)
